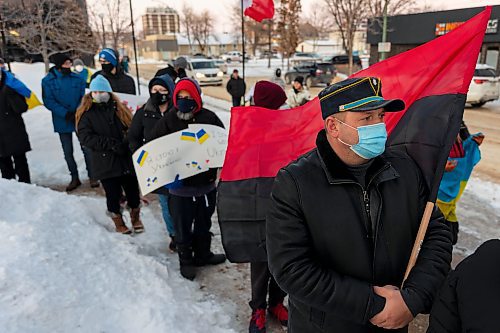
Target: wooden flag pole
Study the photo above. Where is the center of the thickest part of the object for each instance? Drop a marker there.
(422, 230)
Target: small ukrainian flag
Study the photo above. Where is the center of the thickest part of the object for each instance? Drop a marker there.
(202, 136)
(142, 158)
(188, 136)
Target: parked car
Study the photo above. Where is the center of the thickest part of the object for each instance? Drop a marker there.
(222, 65)
(232, 56)
(266, 54)
(484, 86)
(341, 62)
(305, 56)
(205, 71)
(314, 73)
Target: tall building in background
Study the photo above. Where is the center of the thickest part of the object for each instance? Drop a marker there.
(160, 21)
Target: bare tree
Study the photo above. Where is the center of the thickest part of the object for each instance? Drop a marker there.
(202, 29)
(187, 22)
(256, 33)
(115, 18)
(48, 27)
(317, 24)
(394, 7)
(348, 16)
(288, 26)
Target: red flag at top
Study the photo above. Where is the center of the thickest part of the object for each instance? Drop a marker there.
(259, 9)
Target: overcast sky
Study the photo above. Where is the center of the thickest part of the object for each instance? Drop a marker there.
(220, 8)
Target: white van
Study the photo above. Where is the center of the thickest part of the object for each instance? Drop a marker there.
(205, 71)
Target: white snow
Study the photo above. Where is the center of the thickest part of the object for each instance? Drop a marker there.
(63, 269)
(485, 191)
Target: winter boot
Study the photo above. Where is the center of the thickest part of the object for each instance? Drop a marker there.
(94, 183)
(280, 312)
(135, 216)
(187, 267)
(119, 224)
(173, 245)
(202, 254)
(73, 185)
(258, 321)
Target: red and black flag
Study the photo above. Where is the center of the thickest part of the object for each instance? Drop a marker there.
(432, 79)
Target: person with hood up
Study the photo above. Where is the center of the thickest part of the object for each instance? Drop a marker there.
(14, 141)
(161, 90)
(103, 121)
(112, 70)
(298, 95)
(82, 71)
(277, 79)
(177, 71)
(191, 200)
(62, 92)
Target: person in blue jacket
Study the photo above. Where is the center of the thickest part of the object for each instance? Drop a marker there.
(62, 92)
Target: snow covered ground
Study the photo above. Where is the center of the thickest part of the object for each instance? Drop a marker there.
(63, 269)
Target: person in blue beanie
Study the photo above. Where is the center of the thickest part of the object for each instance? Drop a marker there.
(112, 70)
(102, 121)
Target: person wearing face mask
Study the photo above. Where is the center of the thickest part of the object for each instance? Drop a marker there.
(344, 218)
(102, 121)
(62, 92)
(298, 95)
(112, 70)
(191, 200)
(277, 79)
(177, 71)
(82, 71)
(158, 105)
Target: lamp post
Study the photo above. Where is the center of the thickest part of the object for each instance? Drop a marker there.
(135, 47)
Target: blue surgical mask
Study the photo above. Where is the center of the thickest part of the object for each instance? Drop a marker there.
(186, 105)
(372, 139)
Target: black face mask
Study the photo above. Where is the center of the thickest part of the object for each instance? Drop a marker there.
(107, 68)
(65, 71)
(160, 99)
(295, 90)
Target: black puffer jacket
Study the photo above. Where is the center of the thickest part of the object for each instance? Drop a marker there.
(469, 300)
(170, 123)
(329, 241)
(120, 82)
(236, 87)
(13, 137)
(144, 121)
(103, 133)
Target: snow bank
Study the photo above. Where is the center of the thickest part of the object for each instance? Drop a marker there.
(62, 269)
(485, 191)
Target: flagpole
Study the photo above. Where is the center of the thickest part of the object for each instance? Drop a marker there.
(243, 38)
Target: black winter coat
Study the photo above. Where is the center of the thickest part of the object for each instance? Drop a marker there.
(101, 131)
(236, 87)
(120, 82)
(13, 136)
(170, 123)
(330, 241)
(172, 72)
(144, 121)
(469, 300)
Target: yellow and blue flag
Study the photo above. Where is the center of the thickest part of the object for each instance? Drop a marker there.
(202, 136)
(142, 158)
(188, 136)
(15, 84)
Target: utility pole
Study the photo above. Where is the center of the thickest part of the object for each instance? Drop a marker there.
(103, 31)
(384, 29)
(243, 38)
(270, 25)
(135, 48)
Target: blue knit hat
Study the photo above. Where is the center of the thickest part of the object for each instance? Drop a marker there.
(99, 83)
(109, 55)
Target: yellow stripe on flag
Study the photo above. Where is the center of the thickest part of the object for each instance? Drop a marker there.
(33, 101)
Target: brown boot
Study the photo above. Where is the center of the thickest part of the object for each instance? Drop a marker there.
(135, 216)
(119, 224)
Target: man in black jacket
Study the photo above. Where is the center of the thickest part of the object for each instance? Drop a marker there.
(236, 87)
(112, 70)
(191, 200)
(343, 221)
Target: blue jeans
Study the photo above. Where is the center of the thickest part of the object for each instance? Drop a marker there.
(166, 214)
(67, 146)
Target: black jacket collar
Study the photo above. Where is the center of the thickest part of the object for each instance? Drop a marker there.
(337, 172)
